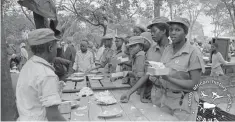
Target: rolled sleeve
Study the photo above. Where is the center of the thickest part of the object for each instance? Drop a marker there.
(50, 91)
(196, 62)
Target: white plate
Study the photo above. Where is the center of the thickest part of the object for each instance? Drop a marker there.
(110, 114)
(78, 74)
(94, 71)
(96, 78)
(76, 78)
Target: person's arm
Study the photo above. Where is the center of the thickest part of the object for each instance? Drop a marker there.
(50, 98)
(187, 84)
(139, 66)
(221, 59)
(53, 114)
(140, 82)
(196, 66)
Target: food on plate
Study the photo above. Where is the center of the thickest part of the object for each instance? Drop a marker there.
(157, 68)
(105, 98)
(157, 65)
(111, 113)
(85, 91)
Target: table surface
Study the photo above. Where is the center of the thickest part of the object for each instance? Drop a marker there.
(134, 110)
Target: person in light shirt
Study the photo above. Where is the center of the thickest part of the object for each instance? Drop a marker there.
(84, 59)
(38, 87)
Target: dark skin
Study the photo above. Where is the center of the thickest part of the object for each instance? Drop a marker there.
(159, 37)
(52, 112)
(118, 43)
(178, 36)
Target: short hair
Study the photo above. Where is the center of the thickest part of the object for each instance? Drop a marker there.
(39, 49)
(162, 27)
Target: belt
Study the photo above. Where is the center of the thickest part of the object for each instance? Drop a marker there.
(179, 92)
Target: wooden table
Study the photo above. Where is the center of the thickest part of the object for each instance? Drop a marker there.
(134, 110)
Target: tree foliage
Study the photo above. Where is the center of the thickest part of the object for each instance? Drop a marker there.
(222, 13)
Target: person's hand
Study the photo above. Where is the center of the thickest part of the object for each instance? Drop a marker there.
(147, 63)
(153, 78)
(125, 98)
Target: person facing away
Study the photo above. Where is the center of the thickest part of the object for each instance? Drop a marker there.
(84, 59)
(37, 91)
(217, 60)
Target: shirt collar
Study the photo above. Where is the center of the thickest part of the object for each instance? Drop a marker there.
(184, 49)
(156, 47)
(38, 59)
(118, 51)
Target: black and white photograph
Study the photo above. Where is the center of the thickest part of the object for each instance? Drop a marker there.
(118, 60)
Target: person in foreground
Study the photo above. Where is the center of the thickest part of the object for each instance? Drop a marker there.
(159, 34)
(37, 91)
(180, 99)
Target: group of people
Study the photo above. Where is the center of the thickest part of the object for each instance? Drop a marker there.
(39, 87)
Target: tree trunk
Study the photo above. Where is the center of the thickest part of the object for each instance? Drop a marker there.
(39, 21)
(9, 110)
(157, 7)
(171, 9)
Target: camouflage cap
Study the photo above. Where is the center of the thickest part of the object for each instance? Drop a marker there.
(41, 36)
(135, 40)
(181, 20)
(147, 36)
(158, 20)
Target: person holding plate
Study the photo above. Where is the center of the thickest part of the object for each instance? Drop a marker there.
(159, 34)
(186, 65)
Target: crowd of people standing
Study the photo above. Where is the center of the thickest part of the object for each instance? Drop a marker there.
(38, 93)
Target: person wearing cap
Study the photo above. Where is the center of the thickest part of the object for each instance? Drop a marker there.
(107, 54)
(38, 87)
(114, 67)
(84, 59)
(159, 34)
(136, 47)
(180, 99)
(138, 29)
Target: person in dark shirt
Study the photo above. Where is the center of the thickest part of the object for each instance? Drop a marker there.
(62, 67)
